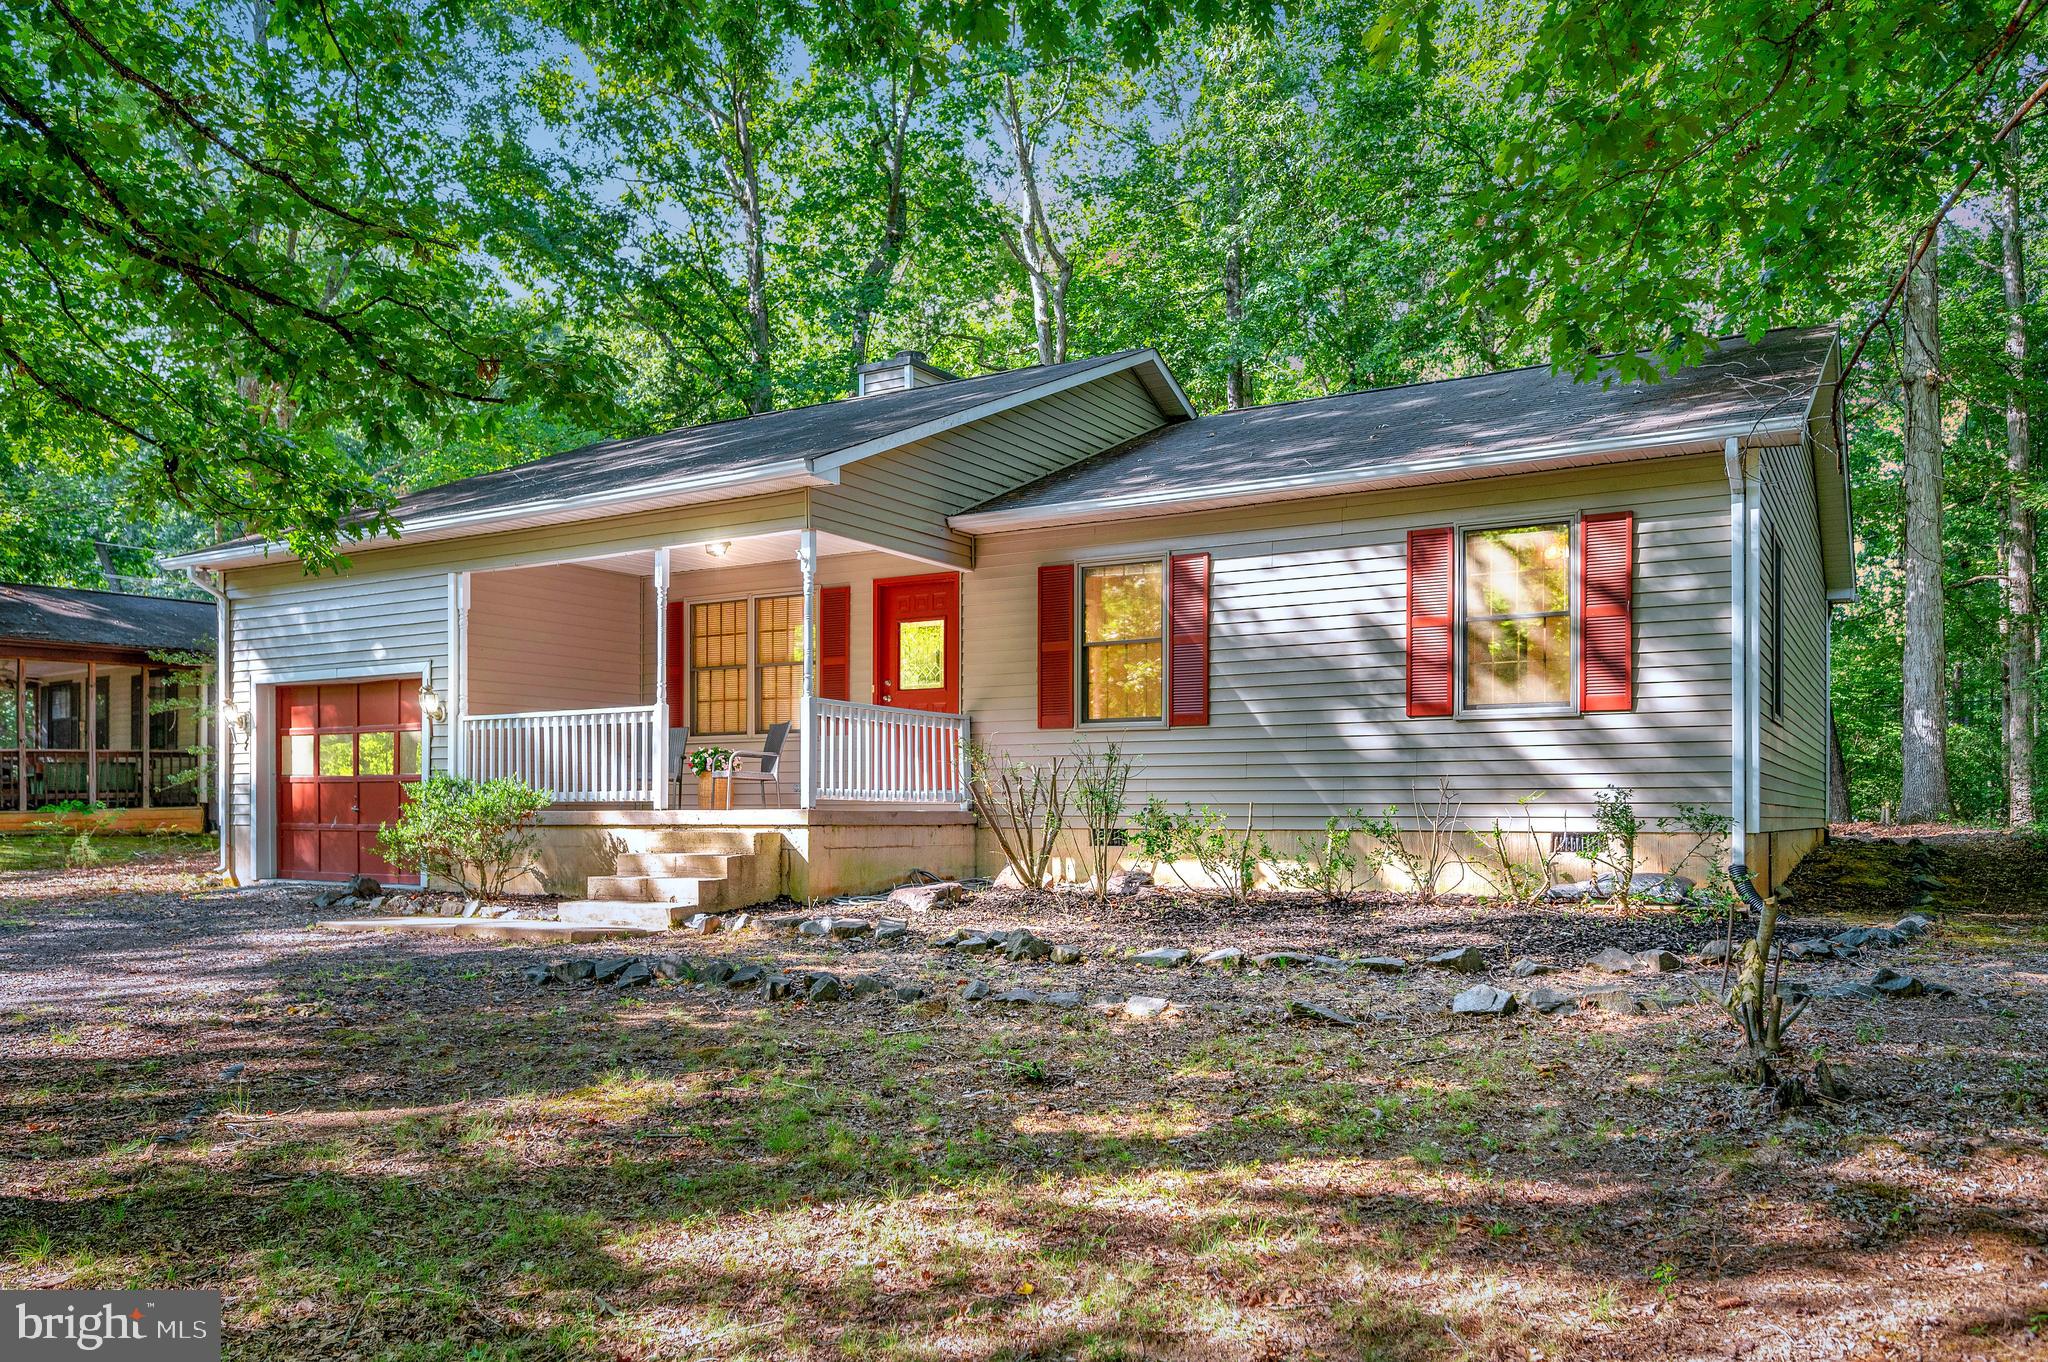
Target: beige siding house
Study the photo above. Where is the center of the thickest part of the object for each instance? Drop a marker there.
(1505, 586)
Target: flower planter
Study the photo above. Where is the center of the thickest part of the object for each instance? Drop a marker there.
(713, 792)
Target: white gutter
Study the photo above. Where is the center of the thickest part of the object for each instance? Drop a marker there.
(1452, 467)
(1742, 513)
(223, 736)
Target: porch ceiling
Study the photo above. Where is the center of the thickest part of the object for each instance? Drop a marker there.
(779, 547)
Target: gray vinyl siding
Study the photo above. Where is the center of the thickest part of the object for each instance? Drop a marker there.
(1307, 666)
(1792, 742)
(900, 500)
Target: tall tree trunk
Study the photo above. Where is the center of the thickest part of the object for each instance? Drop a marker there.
(2020, 624)
(1838, 774)
(1236, 386)
(1923, 790)
(880, 272)
(1033, 242)
(747, 184)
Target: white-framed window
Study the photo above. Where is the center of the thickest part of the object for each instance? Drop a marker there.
(1517, 612)
(1123, 641)
(746, 663)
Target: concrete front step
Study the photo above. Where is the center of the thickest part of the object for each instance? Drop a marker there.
(688, 890)
(703, 865)
(640, 915)
(497, 929)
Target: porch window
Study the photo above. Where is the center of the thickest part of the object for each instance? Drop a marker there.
(1518, 617)
(778, 657)
(1122, 677)
(718, 667)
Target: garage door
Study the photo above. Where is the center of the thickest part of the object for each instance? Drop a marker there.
(345, 754)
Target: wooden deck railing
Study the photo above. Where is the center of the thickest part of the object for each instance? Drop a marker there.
(57, 774)
(877, 754)
(580, 756)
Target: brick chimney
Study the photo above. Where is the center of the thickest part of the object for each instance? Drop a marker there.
(904, 369)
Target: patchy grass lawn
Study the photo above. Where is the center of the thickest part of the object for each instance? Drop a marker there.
(397, 1148)
(53, 850)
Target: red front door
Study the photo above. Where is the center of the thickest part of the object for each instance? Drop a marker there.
(917, 642)
(345, 754)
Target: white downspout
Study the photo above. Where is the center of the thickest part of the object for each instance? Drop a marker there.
(223, 736)
(807, 698)
(1738, 636)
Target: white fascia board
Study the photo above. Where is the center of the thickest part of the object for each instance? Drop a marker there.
(830, 464)
(1421, 472)
(545, 511)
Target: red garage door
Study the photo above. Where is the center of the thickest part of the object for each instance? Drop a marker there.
(345, 754)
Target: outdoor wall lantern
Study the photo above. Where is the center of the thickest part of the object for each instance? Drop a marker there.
(432, 705)
(240, 720)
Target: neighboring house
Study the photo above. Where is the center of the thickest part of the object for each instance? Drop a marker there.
(100, 703)
(1512, 582)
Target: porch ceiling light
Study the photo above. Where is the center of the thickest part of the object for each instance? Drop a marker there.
(719, 549)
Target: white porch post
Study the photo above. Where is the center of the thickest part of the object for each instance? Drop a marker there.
(458, 673)
(807, 716)
(659, 756)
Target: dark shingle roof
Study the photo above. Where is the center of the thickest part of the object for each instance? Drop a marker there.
(735, 447)
(104, 619)
(1376, 432)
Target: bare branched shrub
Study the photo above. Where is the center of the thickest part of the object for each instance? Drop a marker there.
(1432, 848)
(1101, 781)
(1230, 860)
(1515, 878)
(1024, 804)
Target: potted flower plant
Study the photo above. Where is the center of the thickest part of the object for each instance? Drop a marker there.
(706, 762)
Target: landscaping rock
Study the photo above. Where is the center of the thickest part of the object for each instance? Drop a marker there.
(1022, 944)
(1913, 925)
(1164, 957)
(1014, 995)
(1463, 960)
(951, 937)
(923, 898)
(739, 922)
(782, 922)
(1809, 950)
(1892, 985)
(775, 987)
(823, 988)
(1577, 891)
(714, 972)
(835, 928)
(745, 976)
(977, 943)
(1230, 957)
(890, 930)
(1141, 1007)
(1548, 1000)
(1380, 964)
(1316, 1012)
(973, 991)
(1848, 992)
(1714, 952)
(1282, 960)
(1125, 883)
(909, 993)
(573, 971)
(1658, 962)
(611, 967)
(1662, 1001)
(1613, 1000)
(1008, 878)
(1484, 1000)
(1064, 998)
(1614, 960)
(634, 975)
(866, 985)
(1651, 888)
(1525, 968)
(705, 923)
(537, 974)
(1066, 955)
(674, 968)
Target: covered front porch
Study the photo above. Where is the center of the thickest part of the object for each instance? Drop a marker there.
(594, 678)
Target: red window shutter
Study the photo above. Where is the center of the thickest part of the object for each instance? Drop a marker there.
(835, 642)
(1429, 622)
(1187, 648)
(678, 663)
(1607, 568)
(1056, 645)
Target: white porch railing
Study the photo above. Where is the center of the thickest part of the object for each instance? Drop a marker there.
(894, 756)
(581, 756)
